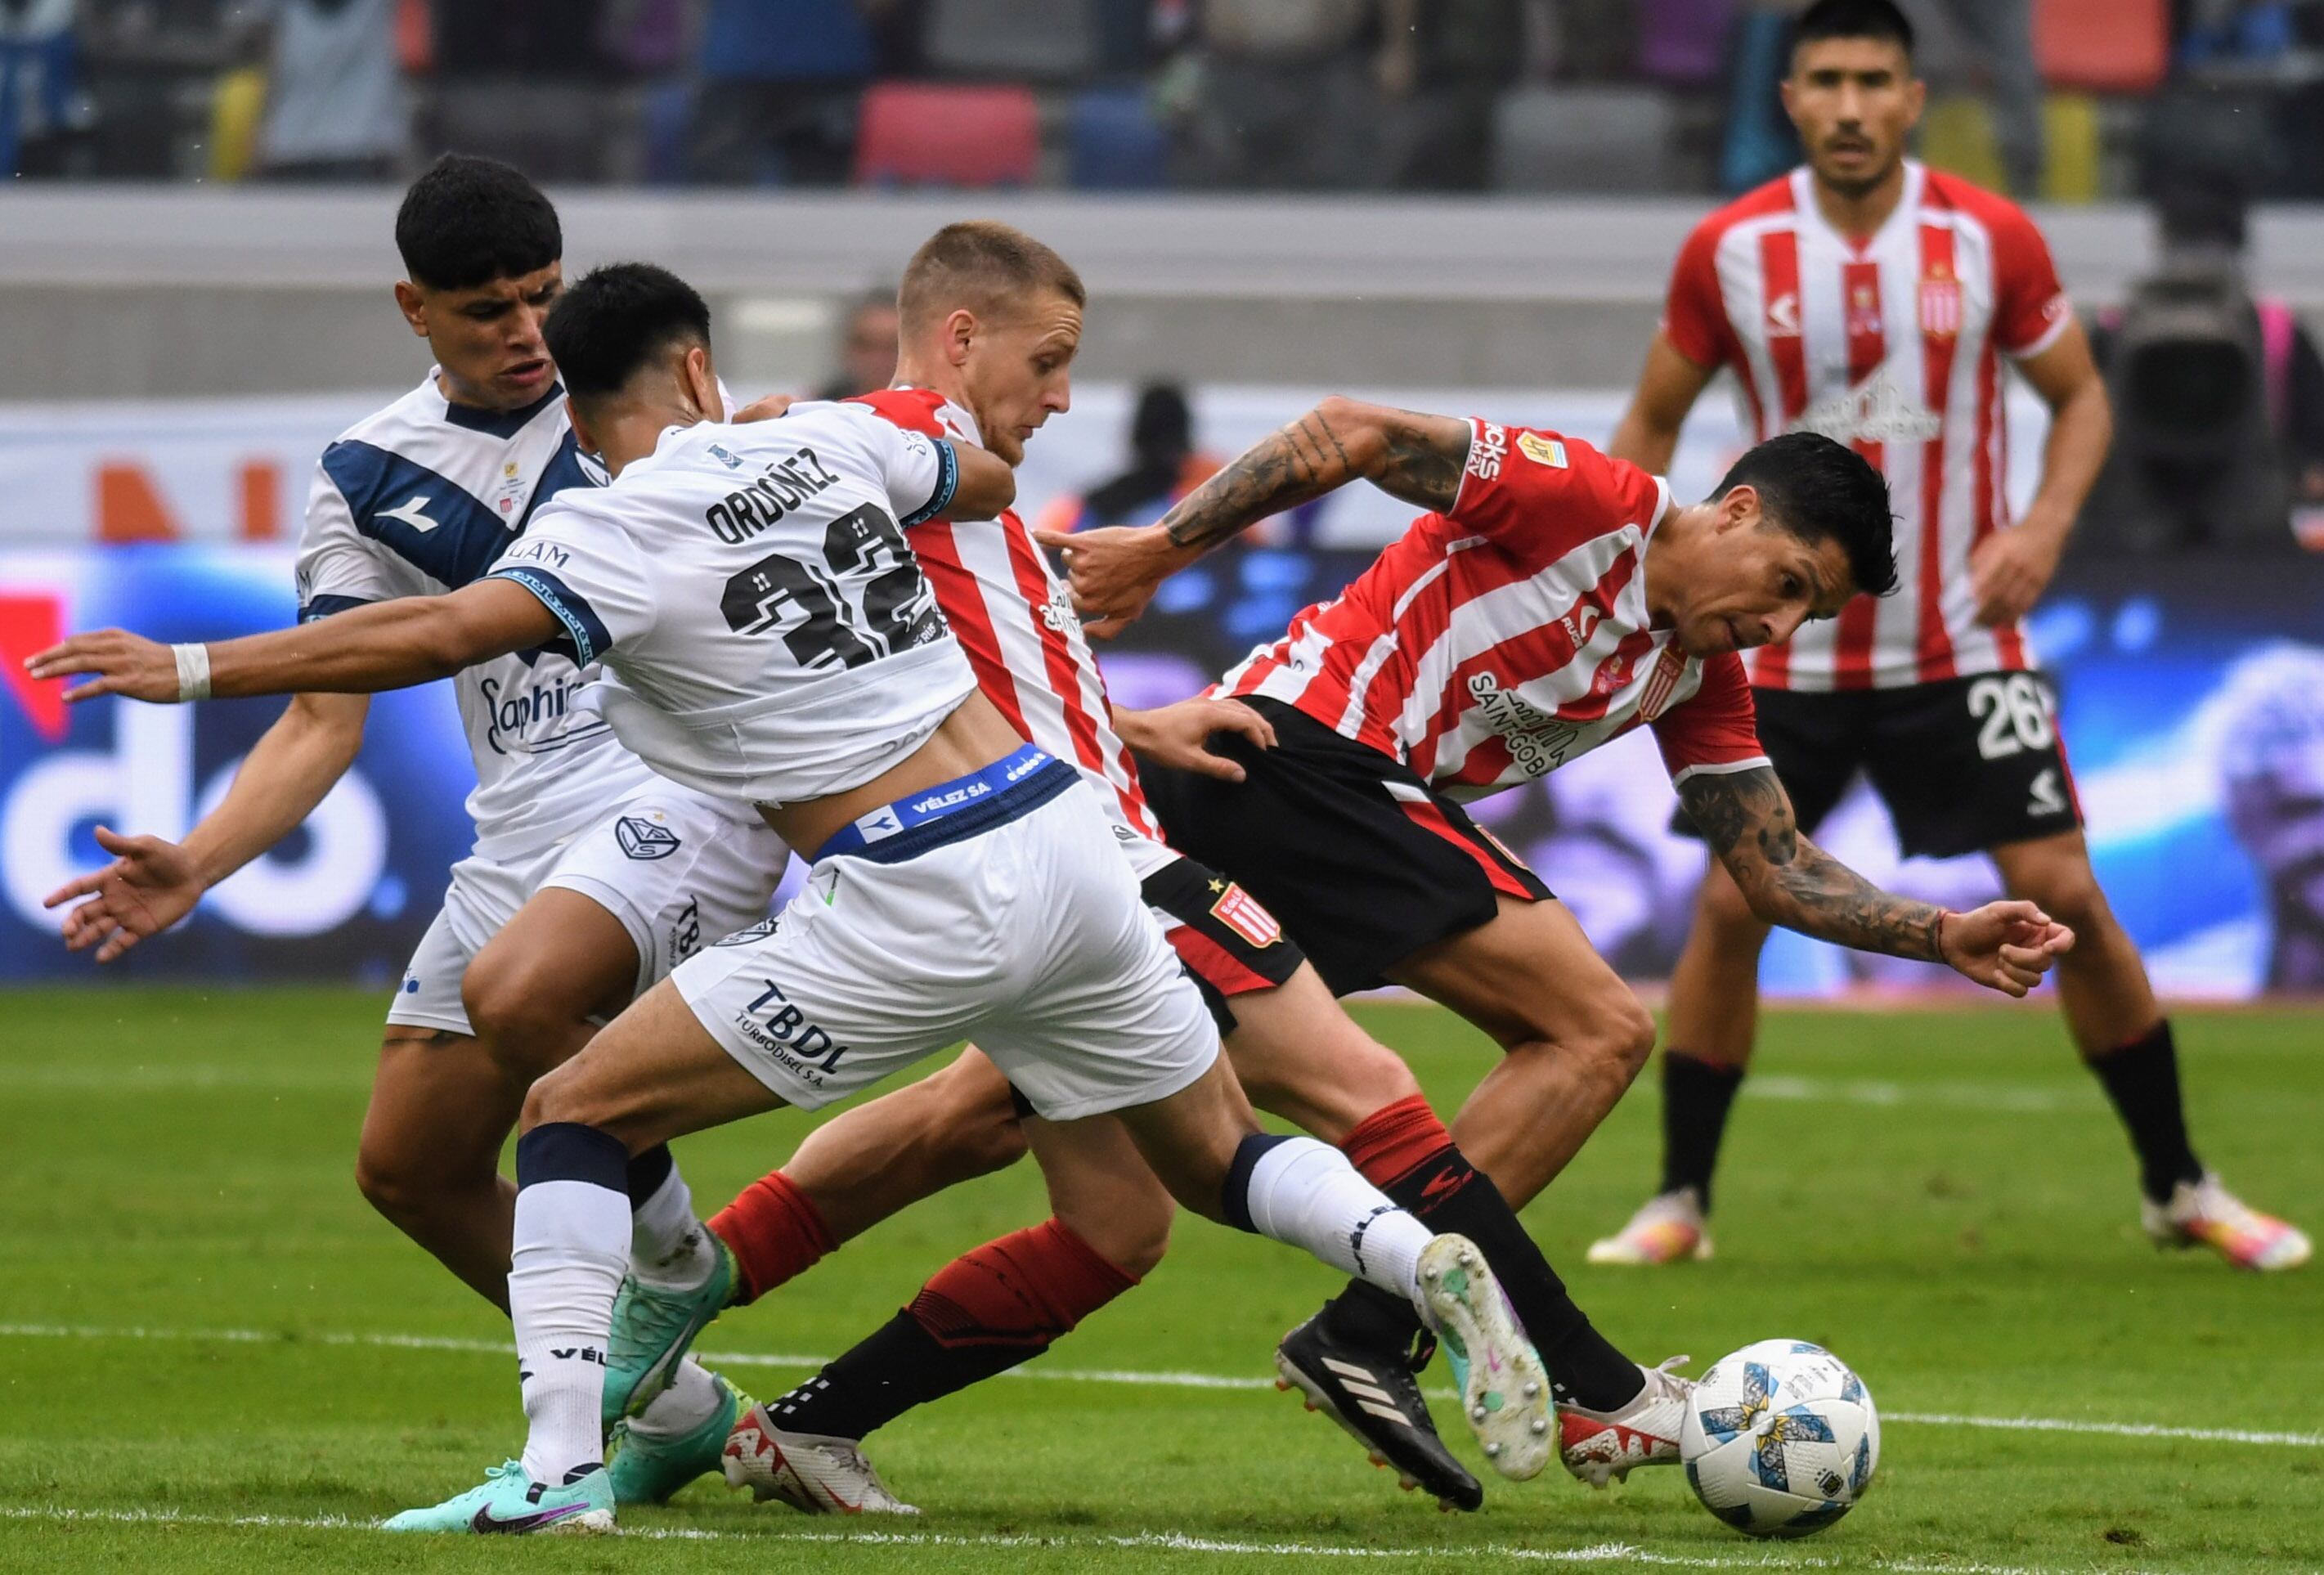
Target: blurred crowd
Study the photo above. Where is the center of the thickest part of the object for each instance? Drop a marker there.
(2044, 98)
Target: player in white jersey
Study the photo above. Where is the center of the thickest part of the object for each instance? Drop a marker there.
(1875, 300)
(768, 635)
(591, 877)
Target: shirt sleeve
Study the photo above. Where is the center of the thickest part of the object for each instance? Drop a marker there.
(2030, 306)
(587, 571)
(339, 566)
(1715, 729)
(1694, 312)
(1541, 495)
(921, 473)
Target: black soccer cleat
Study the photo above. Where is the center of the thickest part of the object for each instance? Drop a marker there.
(1375, 1395)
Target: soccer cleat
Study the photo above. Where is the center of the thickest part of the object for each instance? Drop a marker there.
(2205, 1214)
(647, 1468)
(1504, 1388)
(653, 1326)
(1667, 1229)
(1375, 1397)
(812, 1474)
(510, 1503)
(1604, 1446)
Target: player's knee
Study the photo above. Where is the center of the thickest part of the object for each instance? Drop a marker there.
(525, 1031)
(1627, 1038)
(978, 1120)
(396, 1183)
(1725, 913)
(558, 1097)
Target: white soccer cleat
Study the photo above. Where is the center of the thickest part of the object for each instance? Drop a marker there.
(812, 1474)
(2204, 1213)
(1666, 1228)
(1504, 1387)
(1605, 1446)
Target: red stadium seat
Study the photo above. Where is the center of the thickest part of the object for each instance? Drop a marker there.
(2103, 46)
(927, 133)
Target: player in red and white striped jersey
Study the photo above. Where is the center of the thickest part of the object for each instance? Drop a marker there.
(1874, 301)
(1552, 599)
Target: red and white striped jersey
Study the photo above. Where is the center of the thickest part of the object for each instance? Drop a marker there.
(1493, 642)
(1892, 346)
(1015, 619)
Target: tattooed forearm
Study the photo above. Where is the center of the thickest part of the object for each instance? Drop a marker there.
(1746, 816)
(1414, 458)
(1281, 471)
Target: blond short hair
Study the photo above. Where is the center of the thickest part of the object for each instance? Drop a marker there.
(983, 266)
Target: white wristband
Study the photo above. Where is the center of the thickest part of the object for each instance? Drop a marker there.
(193, 671)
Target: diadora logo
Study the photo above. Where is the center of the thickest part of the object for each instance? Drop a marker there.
(1027, 767)
(1491, 447)
(881, 823)
(409, 511)
(744, 936)
(1876, 410)
(1783, 315)
(644, 836)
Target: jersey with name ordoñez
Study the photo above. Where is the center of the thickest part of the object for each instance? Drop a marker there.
(1493, 642)
(767, 632)
(422, 498)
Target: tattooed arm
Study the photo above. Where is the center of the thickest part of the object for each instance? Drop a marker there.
(1415, 457)
(1746, 816)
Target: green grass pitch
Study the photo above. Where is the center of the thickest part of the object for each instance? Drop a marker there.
(214, 1357)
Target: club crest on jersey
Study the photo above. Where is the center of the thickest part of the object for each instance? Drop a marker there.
(1247, 916)
(1542, 450)
(1485, 455)
(1863, 312)
(1661, 682)
(1940, 305)
(640, 838)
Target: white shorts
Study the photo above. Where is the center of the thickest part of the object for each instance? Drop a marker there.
(679, 869)
(1017, 924)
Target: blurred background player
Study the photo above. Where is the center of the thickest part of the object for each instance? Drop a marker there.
(867, 348)
(1164, 466)
(1870, 299)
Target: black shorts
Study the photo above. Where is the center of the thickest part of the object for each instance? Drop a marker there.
(1963, 764)
(1225, 937)
(1360, 861)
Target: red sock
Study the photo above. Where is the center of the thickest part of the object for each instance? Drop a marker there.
(1023, 1290)
(1395, 1140)
(776, 1231)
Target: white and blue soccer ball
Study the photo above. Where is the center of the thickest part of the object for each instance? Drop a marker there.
(1781, 1439)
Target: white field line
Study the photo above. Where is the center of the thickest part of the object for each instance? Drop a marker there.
(2012, 1098)
(1161, 1541)
(1133, 1377)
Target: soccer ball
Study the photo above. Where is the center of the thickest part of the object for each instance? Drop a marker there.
(1780, 1439)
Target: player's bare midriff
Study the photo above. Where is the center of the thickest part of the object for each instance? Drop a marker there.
(971, 737)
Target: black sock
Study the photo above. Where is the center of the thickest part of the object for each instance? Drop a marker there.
(2142, 1079)
(1696, 1094)
(899, 1365)
(1444, 1192)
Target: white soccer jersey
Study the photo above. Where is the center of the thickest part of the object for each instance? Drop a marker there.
(1894, 345)
(422, 498)
(768, 633)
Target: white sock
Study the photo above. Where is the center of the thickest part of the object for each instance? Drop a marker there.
(691, 1400)
(1306, 1194)
(572, 1245)
(669, 1245)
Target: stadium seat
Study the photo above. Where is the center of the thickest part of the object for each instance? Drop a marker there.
(2074, 161)
(1582, 139)
(920, 133)
(1032, 40)
(1682, 43)
(1117, 145)
(2103, 46)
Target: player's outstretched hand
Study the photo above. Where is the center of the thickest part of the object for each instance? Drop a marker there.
(1114, 570)
(150, 885)
(124, 663)
(2004, 945)
(1180, 735)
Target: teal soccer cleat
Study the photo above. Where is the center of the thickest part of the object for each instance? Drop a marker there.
(647, 1468)
(510, 1503)
(653, 1326)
